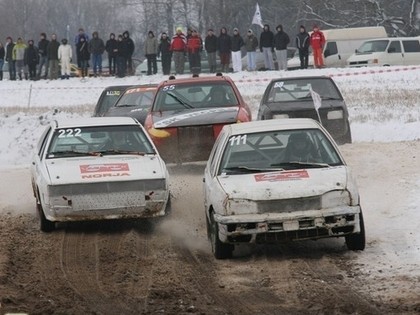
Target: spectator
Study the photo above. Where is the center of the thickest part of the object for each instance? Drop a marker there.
(224, 45)
(31, 59)
(121, 56)
(9, 58)
(83, 55)
(178, 48)
(210, 44)
(164, 51)
(237, 43)
(77, 40)
(150, 51)
(281, 40)
(18, 55)
(302, 44)
(43, 58)
(65, 55)
(111, 49)
(317, 44)
(251, 44)
(2, 55)
(96, 48)
(267, 47)
(194, 48)
(52, 54)
(129, 49)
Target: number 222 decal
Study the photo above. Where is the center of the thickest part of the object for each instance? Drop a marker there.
(237, 140)
(63, 133)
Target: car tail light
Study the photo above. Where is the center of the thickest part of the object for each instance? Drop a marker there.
(375, 61)
(155, 133)
(243, 115)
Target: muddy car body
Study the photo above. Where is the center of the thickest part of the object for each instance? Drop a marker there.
(188, 114)
(97, 168)
(261, 185)
(108, 98)
(292, 98)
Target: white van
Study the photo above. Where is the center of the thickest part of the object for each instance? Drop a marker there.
(392, 51)
(340, 44)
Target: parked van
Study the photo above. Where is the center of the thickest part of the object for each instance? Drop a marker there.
(340, 44)
(391, 51)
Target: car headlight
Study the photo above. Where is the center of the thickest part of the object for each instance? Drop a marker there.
(158, 133)
(280, 116)
(240, 206)
(335, 198)
(335, 114)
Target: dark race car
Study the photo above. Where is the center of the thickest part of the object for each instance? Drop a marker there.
(294, 98)
(108, 98)
(188, 114)
(134, 102)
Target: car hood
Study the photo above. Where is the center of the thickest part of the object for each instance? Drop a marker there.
(284, 184)
(303, 105)
(104, 169)
(196, 116)
(137, 112)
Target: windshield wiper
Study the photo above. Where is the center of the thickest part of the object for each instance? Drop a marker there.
(296, 164)
(113, 151)
(73, 152)
(246, 169)
(182, 102)
(125, 105)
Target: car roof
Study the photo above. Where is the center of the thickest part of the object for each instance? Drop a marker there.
(203, 79)
(117, 87)
(94, 121)
(272, 124)
(303, 77)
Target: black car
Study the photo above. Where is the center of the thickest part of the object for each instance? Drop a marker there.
(108, 98)
(134, 102)
(297, 98)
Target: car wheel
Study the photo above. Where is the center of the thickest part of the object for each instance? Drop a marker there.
(45, 224)
(220, 250)
(357, 241)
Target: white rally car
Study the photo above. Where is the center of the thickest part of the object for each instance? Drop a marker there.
(98, 168)
(279, 180)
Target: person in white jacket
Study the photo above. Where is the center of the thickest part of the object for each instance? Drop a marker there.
(64, 56)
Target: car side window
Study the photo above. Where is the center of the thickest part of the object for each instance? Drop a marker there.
(394, 47)
(213, 156)
(411, 46)
(331, 49)
(44, 142)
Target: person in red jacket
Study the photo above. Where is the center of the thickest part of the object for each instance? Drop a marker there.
(317, 44)
(194, 47)
(178, 48)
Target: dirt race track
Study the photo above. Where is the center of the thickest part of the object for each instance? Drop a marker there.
(166, 267)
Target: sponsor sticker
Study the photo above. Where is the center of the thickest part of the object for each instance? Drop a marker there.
(104, 168)
(281, 176)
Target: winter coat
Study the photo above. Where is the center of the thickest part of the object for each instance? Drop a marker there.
(2, 54)
(251, 42)
(129, 44)
(42, 47)
(224, 43)
(31, 56)
(150, 46)
(82, 51)
(317, 40)
(194, 44)
(19, 51)
(236, 42)
(179, 42)
(164, 47)
(96, 45)
(9, 51)
(122, 50)
(210, 43)
(52, 50)
(111, 47)
(77, 38)
(303, 41)
(281, 39)
(65, 52)
(267, 38)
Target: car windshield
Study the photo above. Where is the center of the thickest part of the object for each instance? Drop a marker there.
(278, 150)
(108, 100)
(139, 97)
(99, 140)
(297, 90)
(193, 95)
(373, 46)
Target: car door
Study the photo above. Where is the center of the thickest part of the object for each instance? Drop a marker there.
(393, 55)
(331, 55)
(411, 51)
(38, 170)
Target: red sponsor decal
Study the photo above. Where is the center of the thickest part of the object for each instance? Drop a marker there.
(283, 175)
(101, 168)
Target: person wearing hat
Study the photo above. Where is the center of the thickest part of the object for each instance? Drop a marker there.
(151, 51)
(121, 56)
(267, 46)
(52, 54)
(43, 58)
(237, 43)
(65, 55)
(251, 44)
(9, 58)
(302, 44)
(18, 55)
(31, 59)
(210, 44)
(83, 55)
(281, 40)
(194, 48)
(96, 48)
(317, 44)
(224, 44)
(164, 52)
(111, 49)
(178, 48)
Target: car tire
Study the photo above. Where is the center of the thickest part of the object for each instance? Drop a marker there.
(220, 250)
(45, 224)
(357, 241)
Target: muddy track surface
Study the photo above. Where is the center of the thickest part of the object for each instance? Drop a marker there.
(166, 267)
